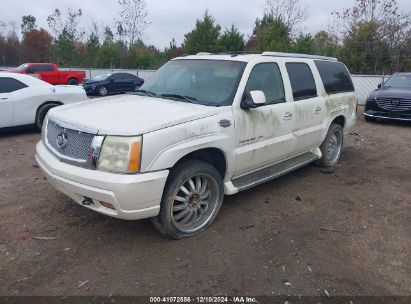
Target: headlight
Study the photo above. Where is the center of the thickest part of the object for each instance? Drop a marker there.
(120, 154)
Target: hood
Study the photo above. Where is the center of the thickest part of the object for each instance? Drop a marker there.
(15, 71)
(129, 114)
(90, 81)
(387, 92)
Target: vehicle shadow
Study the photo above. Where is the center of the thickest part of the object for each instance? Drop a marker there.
(16, 132)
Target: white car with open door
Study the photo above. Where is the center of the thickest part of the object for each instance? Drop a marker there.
(25, 100)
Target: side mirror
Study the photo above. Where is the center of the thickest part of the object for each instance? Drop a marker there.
(29, 71)
(379, 85)
(253, 99)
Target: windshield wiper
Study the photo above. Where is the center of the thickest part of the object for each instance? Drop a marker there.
(147, 92)
(181, 97)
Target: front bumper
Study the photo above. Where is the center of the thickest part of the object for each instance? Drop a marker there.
(388, 115)
(90, 89)
(134, 196)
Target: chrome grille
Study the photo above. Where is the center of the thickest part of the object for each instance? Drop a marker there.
(394, 104)
(77, 146)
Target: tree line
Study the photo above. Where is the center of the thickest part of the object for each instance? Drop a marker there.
(371, 37)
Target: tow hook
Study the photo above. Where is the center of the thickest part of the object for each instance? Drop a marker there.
(87, 201)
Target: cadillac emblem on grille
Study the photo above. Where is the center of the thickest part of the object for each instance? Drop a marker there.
(395, 102)
(61, 140)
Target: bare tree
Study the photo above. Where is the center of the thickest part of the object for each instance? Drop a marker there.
(133, 20)
(291, 12)
(58, 23)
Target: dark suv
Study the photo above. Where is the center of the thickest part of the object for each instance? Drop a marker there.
(392, 99)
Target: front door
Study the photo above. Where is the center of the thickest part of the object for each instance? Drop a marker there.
(264, 134)
(6, 109)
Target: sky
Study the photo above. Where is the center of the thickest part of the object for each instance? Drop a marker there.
(173, 18)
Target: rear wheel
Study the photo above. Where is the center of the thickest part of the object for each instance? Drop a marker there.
(41, 114)
(72, 81)
(191, 200)
(332, 146)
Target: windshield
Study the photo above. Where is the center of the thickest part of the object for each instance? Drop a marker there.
(22, 67)
(101, 77)
(208, 82)
(399, 81)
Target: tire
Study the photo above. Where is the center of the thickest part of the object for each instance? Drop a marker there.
(102, 91)
(332, 146)
(370, 119)
(41, 114)
(72, 81)
(189, 205)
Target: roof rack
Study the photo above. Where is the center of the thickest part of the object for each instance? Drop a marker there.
(280, 54)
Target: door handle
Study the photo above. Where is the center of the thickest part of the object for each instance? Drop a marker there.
(317, 110)
(4, 98)
(287, 116)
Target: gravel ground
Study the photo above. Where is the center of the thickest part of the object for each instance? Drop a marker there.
(346, 232)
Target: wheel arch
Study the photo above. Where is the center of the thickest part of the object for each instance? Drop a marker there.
(49, 102)
(340, 120)
(213, 156)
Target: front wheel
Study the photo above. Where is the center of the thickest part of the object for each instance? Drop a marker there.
(102, 91)
(191, 200)
(332, 146)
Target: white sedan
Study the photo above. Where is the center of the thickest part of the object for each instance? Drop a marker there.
(25, 100)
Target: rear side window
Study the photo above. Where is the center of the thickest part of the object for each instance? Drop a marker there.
(8, 85)
(335, 77)
(47, 68)
(266, 77)
(302, 81)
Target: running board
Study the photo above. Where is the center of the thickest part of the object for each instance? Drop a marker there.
(268, 173)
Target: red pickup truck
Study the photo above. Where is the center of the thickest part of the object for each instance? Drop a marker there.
(49, 72)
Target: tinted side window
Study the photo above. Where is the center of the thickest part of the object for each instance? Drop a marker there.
(130, 77)
(116, 76)
(335, 77)
(8, 85)
(302, 80)
(266, 77)
(46, 68)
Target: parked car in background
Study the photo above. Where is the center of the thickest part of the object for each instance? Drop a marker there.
(201, 127)
(112, 83)
(392, 99)
(49, 72)
(25, 100)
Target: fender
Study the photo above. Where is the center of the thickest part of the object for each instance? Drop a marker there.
(170, 155)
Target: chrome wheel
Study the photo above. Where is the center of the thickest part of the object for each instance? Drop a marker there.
(334, 146)
(103, 91)
(194, 203)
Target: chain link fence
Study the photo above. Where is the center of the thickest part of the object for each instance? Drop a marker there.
(364, 84)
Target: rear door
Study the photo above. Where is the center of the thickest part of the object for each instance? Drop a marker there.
(48, 74)
(115, 83)
(309, 107)
(131, 82)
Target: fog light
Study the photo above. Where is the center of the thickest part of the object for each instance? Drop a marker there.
(107, 205)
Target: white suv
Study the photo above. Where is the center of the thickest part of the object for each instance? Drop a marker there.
(202, 126)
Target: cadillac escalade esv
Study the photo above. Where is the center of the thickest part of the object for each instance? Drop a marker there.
(201, 127)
